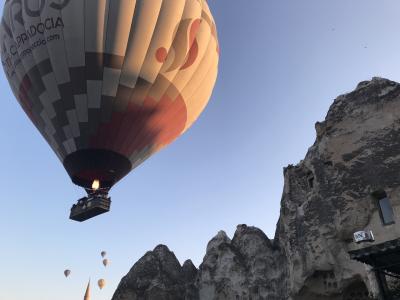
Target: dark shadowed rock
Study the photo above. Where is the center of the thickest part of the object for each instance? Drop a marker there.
(158, 275)
(326, 198)
(189, 271)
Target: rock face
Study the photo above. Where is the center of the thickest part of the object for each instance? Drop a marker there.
(246, 267)
(326, 198)
(158, 275)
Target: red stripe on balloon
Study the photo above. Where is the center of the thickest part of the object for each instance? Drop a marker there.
(164, 125)
(25, 86)
(150, 124)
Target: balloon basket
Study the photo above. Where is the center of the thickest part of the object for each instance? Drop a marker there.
(89, 207)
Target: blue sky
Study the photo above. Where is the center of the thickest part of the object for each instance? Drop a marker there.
(282, 64)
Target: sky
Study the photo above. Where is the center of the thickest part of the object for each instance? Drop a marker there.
(282, 64)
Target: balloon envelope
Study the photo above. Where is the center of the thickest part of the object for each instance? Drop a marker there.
(103, 253)
(101, 283)
(67, 273)
(106, 262)
(109, 83)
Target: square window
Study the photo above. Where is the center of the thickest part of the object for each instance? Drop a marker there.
(385, 207)
(386, 211)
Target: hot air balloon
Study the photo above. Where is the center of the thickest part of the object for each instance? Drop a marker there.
(67, 273)
(101, 283)
(109, 83)
(103, 254)
(106, 262)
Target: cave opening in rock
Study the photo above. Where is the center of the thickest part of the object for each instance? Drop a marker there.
(310, 180)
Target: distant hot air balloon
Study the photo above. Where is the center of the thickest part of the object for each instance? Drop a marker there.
(106, 262)
(67, 273)
(103, 254)
(109, 83)
(101, 283)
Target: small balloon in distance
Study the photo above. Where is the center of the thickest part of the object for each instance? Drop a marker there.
(106, 262)
(67, 273)
(103, 253)
(101, 283)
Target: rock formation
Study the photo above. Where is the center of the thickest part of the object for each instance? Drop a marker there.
(324, 201)
(158, 275)
(246, 267)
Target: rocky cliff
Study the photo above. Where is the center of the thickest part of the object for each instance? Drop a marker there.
(159, 275)
(324, 201)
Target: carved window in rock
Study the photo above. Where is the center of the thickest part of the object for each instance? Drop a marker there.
(385, 207)
(356, 291)
(310, 180)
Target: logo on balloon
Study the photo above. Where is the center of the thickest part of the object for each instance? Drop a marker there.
(185, 48)
(17, 9)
